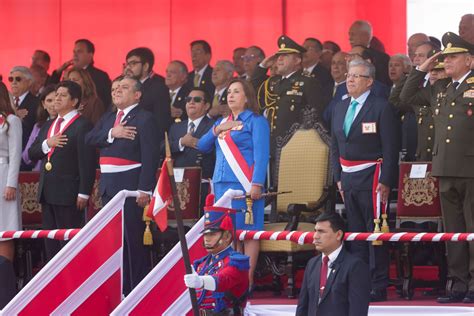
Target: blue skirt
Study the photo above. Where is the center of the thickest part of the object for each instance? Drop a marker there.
(240, 206)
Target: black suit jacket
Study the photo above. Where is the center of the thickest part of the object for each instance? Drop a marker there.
(381, 66)
(180, 101)
(189, 156)
(156, 99)
(30, 103)
(205, 82)
(347, 289)
(74, 164)
(325, 79)
(384, 143)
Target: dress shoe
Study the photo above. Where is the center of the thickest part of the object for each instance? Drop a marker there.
(454, 297)
(469, 298)
(378, 295)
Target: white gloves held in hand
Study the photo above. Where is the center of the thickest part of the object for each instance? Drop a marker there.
(195, 281)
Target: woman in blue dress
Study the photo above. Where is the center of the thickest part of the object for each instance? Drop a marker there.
(242, 143)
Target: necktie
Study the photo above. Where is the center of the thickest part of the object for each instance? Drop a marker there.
(323, 277)
(119, 118)
(196, 79)
(455, 84)
(350, 117)
(334, 90)
(215, 101)
(57, 128)
(172, 94)
(191, 128)
(17, 102)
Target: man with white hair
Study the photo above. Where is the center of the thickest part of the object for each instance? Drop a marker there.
(364, 140)
(25, 103)
(175, 80)
(221, 75)
(361, 33)
(466, 28)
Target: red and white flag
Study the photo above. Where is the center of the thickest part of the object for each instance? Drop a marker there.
(162, 291)
(85, 277)
(158, 208)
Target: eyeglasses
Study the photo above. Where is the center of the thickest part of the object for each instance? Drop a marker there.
(194, 99)
(132, 63)
(17, 79)
(356, 76)
(247, 57)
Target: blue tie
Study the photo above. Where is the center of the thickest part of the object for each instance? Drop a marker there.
(350, 117)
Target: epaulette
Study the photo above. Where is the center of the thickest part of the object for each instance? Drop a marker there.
(470, 80)
(239, 261)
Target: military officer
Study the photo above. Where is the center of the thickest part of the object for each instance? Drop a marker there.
(221, 278)
(452, 100)
(284, 96)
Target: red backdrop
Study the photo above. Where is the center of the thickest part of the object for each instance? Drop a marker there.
(168, 26)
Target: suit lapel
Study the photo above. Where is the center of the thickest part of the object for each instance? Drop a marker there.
(335, 267)
(462, 87)
(339, 119)
(202, 127)
(131, 115)
(316, 275)
(363, 111)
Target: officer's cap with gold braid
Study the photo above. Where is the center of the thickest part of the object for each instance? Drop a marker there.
(454, 44)
(288, 46)
(217, 218)
(439, 62)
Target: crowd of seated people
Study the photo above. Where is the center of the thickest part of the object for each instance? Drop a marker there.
(229, 118)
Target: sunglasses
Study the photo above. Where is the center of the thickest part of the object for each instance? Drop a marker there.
(194, 99)
(17, 79)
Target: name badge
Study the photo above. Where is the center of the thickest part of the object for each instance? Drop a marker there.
(469, 94)
(369, 128)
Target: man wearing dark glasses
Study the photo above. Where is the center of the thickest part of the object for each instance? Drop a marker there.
(184, 136)
(24, 102)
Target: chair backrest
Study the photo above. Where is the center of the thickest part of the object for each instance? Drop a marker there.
(303, 169)
(30, 208)
(417, 197)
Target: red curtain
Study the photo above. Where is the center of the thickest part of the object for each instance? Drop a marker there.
(168, 26)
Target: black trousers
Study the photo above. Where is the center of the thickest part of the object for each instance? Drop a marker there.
(7, 281)
(360, 218)
(59, 217)
(136, 258)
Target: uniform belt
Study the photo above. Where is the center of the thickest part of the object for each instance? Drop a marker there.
(210, 312)
(4, 160)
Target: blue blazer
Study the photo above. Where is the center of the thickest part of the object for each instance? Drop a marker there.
(347, 291)
(383, 143)
(253, 141)
(144, 148)
(378, 89)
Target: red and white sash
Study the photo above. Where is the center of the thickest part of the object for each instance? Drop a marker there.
(115, 164)
(350, 166)
(235, 159)
(61, 131)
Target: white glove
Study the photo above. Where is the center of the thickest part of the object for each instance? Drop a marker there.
(195, 281)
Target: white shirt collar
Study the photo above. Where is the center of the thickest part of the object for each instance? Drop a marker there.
(463, 77)
(175, 91)
(310, 68)
(289, 75)
(66, 119)
(361, 99)
(201, 72)
(127, 110)
(22, 97)
(196, 122)
(336, 84)
(146, 78)
(220, 92)
(333, 255)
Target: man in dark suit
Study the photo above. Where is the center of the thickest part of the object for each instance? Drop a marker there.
(221, 76)
(252, 57)
(83, 57)
(25, 103)
(176, 77)
(200, 77)
(361, 33)
(313, 67)
(365, 129)
(336, 282)
(67, 165)
(155, 97)
(128, 135)
(197, 124)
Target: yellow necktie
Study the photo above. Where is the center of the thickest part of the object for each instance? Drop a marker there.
(215, 101)
(197, 77)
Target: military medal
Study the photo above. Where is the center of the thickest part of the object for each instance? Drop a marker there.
(437, 111)
(48, 166)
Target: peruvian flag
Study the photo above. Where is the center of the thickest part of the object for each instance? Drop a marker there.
(158, 208)
(85, 277)
(162, 291)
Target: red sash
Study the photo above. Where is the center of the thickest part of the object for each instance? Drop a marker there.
(50, 131)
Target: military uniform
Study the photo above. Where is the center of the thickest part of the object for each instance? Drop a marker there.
(453, 158)
(282, 99)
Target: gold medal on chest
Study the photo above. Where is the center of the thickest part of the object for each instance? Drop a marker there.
(48, 166)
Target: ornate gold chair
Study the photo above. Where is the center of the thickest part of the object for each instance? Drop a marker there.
(302, 166)
(418, 203)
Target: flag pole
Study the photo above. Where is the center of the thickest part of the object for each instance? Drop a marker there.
(180, 225)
